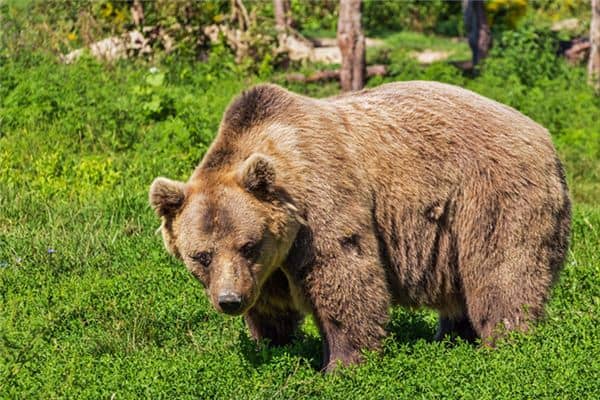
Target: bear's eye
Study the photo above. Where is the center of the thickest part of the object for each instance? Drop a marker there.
(204, 258)
(250, 250)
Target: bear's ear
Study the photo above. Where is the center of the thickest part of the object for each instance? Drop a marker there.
(166, 196)
(257, 174)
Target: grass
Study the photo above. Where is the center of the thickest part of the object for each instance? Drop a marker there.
(398, 44)
(91, 305)
(457, 49)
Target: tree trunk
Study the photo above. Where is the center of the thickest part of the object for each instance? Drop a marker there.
(351, 41)
(478, 29)
(239, 15)
(283, 16)
(594, 62)
(137, 13)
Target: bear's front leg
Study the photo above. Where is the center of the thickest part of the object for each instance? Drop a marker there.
(455, 327)
(350, 300)
(274, 317)
(276, 326)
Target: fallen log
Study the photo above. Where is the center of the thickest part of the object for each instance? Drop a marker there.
(113, 48)
(578, 51)
(322, 76)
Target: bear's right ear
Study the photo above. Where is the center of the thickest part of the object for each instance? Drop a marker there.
(166, 196)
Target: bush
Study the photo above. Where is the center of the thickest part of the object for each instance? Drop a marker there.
(526, 54)
(436, 16)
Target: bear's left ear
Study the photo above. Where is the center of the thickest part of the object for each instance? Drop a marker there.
(166, 196)
(257, 174)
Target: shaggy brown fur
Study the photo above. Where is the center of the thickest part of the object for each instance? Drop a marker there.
(414, 193)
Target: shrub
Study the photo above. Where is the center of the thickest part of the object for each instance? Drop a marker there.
(528, 54)
(436, 16)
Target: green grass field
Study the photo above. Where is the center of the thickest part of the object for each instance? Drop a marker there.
(91, 306)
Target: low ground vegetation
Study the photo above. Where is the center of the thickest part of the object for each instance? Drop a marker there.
(91, 305)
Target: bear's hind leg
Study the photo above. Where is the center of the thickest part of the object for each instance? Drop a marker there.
(509, 290)
(494, 311)
(507, 265)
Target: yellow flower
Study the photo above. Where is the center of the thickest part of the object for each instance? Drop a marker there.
(120, 16)
(107, 9)
(508, 10)
(72, 36)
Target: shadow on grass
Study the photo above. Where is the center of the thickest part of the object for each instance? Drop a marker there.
(410, 327)
(303, 346)
(404, 327)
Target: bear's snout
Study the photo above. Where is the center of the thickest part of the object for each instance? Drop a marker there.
(230, 302)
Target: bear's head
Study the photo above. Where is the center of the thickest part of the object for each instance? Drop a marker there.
(232, 229)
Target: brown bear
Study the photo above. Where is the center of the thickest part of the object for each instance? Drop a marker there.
(413, 193)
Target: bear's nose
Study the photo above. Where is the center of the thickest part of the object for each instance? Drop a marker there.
(230, 302)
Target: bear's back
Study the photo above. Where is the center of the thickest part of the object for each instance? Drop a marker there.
(438, 133)
(445, 115)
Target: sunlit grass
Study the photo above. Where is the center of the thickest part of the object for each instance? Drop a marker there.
(91, 306)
